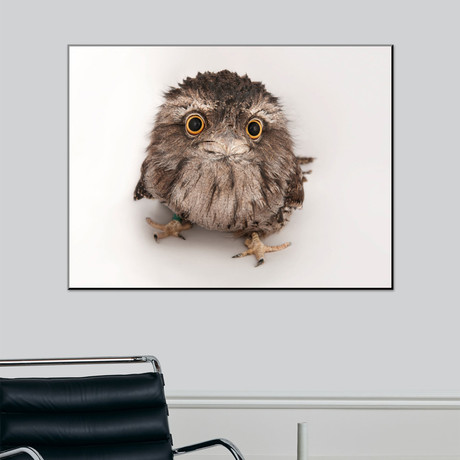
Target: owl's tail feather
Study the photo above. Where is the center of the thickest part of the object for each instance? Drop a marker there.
(306, 160)
(304, 173)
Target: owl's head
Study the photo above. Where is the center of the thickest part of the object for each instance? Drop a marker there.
(222, 116)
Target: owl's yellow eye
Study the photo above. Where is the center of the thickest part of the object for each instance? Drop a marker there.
(254, 128)
(194, 124)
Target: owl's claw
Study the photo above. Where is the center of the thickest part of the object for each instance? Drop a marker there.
(260, 262)
(172, 228)
(258, 249)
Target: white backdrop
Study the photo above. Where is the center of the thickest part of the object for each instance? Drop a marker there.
(339, 102)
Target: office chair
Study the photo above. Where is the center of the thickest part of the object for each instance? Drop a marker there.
(108, 417)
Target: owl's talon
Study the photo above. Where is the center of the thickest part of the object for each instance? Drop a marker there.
(170, 229)
(259, 249)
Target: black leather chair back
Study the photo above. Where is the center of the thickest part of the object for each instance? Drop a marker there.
(116, 417)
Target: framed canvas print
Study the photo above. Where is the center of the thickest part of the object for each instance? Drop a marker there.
(230, 167)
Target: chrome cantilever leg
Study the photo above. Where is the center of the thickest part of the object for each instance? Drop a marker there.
(213, 442)
(21, 450)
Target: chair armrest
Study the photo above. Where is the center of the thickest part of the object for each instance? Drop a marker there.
(213, 442)
(19, 450)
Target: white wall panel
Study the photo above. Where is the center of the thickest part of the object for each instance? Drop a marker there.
(353, 433)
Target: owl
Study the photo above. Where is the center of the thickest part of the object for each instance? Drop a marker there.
(220, 156)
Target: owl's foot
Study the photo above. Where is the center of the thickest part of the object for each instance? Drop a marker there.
(172, 228)
(258, 249)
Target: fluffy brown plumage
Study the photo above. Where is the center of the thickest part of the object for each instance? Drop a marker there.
(221, 157)
(222, 179)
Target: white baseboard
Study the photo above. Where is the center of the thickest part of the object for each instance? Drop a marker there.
(342, 427)
(338, 457)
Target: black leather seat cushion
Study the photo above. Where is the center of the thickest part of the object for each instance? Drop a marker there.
(83, 418)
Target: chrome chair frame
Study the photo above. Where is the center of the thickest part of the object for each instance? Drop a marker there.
(109, 360)
(21, 450)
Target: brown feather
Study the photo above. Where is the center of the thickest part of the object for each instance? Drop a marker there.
(221, 179)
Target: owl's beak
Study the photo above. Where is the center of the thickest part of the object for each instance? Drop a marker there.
(227, 144)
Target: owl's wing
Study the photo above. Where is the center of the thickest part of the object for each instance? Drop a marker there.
(140, 191)
(295, 194)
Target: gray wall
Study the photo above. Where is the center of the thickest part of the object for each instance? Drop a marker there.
(386, 342)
